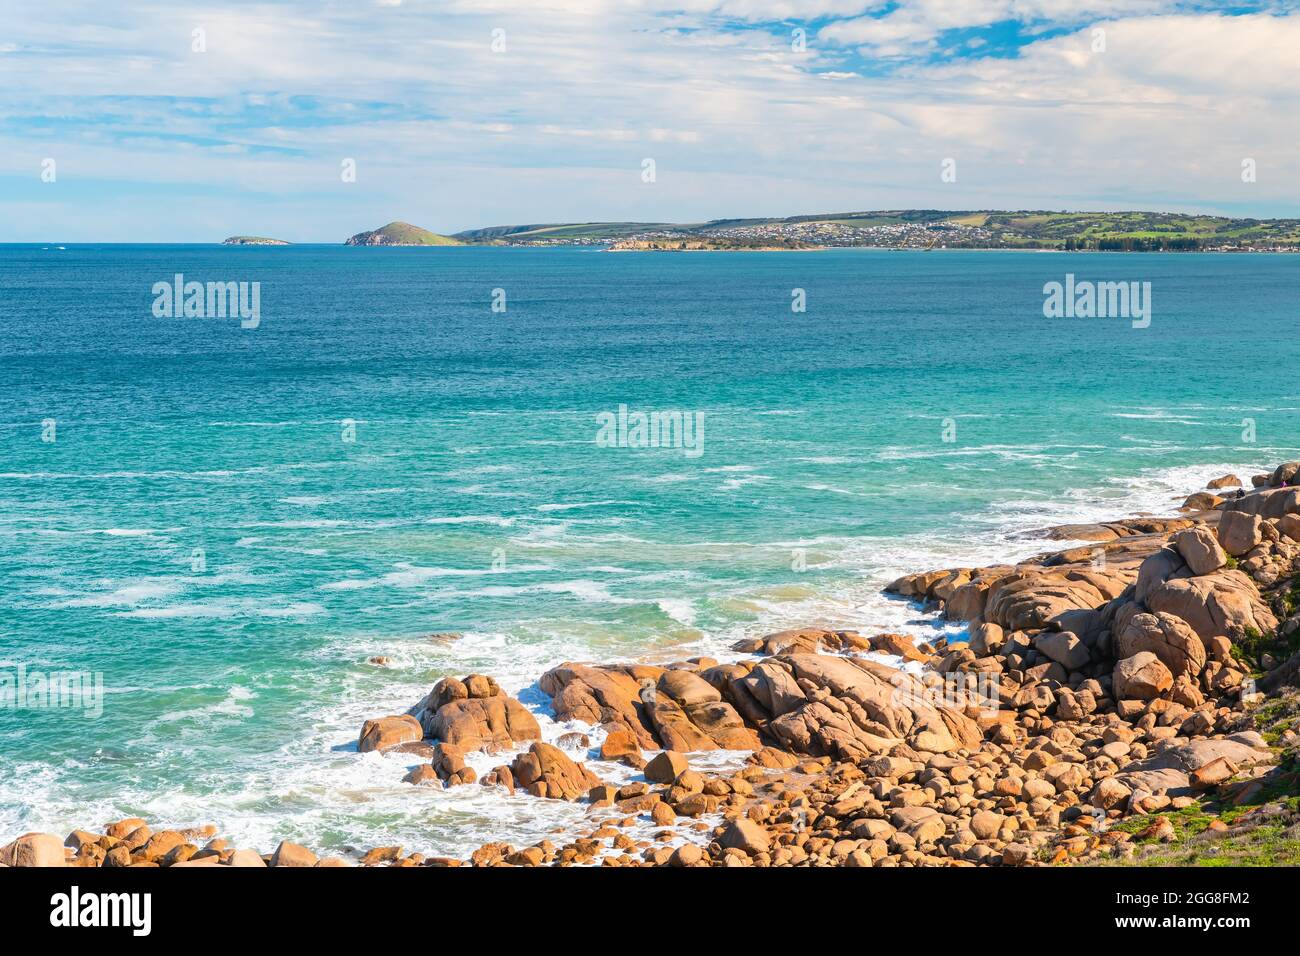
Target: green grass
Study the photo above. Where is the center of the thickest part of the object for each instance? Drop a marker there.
(1250, 648)
(405, 234)
(1291, 597)
(1276, 717)
(1262, 839)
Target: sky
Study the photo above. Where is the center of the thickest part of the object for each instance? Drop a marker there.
(181, 121)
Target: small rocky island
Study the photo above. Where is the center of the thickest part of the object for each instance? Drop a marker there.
(401, 234)
(254, 241)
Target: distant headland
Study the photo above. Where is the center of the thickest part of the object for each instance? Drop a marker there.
(922, 229)
(401, 234)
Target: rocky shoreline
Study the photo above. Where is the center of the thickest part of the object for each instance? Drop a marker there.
(1115, 701)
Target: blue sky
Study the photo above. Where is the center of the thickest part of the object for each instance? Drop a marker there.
(182, 121)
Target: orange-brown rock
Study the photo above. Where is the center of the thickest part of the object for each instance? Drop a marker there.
(484, 723)
(1168, 637)
(666, 767)
(545, 771)
(598, 695)
(677, 708)
(449, 764)
(384, 732)
(34, 849)
(862, 708)
(381, 854)
(121, 828)
(808, 640)
(422, 775)
(899, 645)
(1223, 603)
(619, 742)
(475, 714)
(292, 854)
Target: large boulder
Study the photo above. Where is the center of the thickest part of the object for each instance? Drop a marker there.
(746, 835)
(385, 732)
(483, 723)
(986, 638)
(1170, 638)
(34, 849)
(246, 858)
(292, 854)
(672, 726)
(665, 767)
(1171, 769)
(968, 601)
(1285, 474)
(900, 645)
(449, 764)
(687, 688)
(689, 714)
(1267, 503)
(598, 695)
(1239, 532)
(1065, 648)
(767, 691)
(675, 709)
(1141, 677)
(852, 708)
(1223, 603)
(1035, 598)
(1227, 481)
(545, 771)
(1164, 565)
(1200, 550)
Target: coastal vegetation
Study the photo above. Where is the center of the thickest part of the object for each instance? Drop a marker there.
(401, 234)
(1130, 231)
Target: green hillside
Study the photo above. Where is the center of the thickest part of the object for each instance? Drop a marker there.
(927, 228)
(401, 234)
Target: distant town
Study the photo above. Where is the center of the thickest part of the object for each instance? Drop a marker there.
(926, 229)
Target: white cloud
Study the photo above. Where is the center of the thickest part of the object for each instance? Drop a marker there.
(451, 135)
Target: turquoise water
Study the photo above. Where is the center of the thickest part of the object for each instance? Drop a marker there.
(200, 532)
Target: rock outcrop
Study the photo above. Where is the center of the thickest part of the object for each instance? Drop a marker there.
(672, 709)
(384, 733)
(475, 714)
(846, 707)
(546, 771)
(468, 715)
(1225, 602)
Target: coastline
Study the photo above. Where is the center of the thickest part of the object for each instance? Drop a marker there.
(694, 719)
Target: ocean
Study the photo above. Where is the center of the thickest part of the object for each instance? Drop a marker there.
(227, 523)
